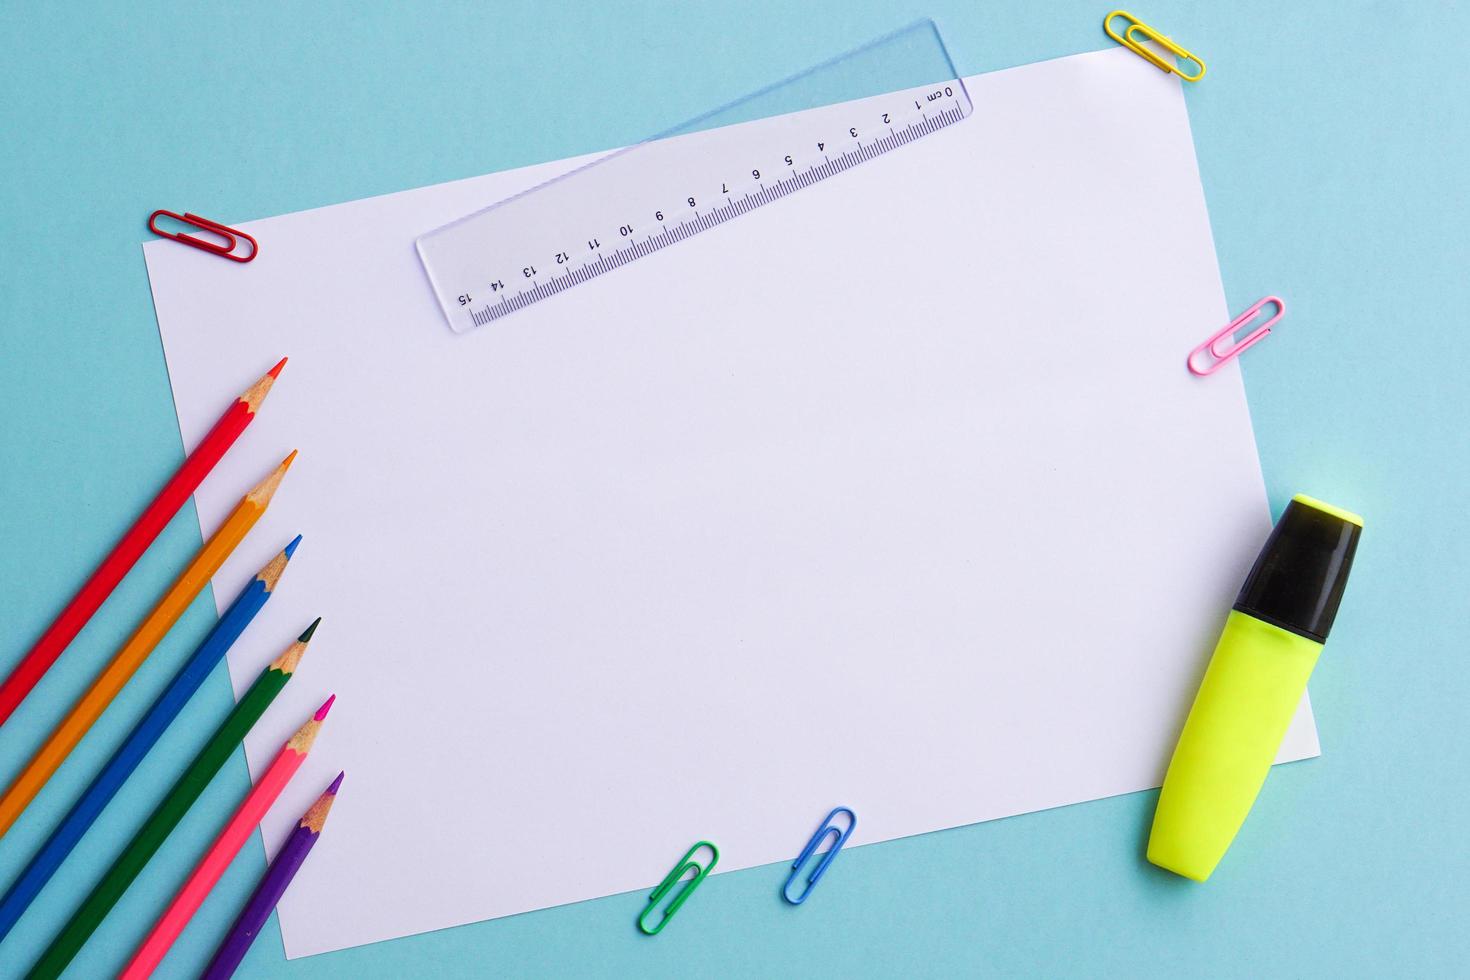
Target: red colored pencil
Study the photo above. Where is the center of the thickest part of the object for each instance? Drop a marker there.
(126, 553)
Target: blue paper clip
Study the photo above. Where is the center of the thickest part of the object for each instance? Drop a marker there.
(672, 878)
(811, 847)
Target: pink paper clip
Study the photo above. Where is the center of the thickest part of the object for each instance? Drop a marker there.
(1252, 338)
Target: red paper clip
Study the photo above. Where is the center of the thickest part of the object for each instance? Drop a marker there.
(1228, 332)
(231, 236)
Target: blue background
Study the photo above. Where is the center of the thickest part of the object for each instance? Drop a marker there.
(1333, 144)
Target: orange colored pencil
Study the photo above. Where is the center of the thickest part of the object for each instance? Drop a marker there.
(129, 549)
(130, 657)
(233, 837)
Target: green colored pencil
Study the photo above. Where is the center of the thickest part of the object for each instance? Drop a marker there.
(170, 810)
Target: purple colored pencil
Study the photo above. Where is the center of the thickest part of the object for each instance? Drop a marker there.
(262, 903)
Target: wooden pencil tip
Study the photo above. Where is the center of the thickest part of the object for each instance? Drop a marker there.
(321, 713)
(316, 818)
(276, 567)
(256, 393)
(306, 636)
(290, 658)
(267, 488)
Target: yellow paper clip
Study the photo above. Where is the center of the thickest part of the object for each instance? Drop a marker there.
(1137, 31)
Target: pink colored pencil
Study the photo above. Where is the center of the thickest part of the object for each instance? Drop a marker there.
(209, 870)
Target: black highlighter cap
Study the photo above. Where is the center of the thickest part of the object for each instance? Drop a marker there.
(1299, 577)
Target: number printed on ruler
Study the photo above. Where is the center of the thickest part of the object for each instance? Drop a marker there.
(650, 196)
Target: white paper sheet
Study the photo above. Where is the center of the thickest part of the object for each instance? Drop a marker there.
(905, 471)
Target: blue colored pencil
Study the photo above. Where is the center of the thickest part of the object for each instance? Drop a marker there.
(141, 740)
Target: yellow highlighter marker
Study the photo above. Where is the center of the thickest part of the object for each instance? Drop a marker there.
(1253, 685)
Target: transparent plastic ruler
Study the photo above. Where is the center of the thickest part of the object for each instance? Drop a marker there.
(666, 190)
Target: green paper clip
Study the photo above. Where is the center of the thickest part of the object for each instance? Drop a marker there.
(670, 880)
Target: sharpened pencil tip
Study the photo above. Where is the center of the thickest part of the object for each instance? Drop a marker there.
(266, 489)
(321, 713)
(336, 782)
(255, 394)
(305, 637)
(291, 548)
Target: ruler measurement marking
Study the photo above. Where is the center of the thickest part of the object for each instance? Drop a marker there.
(717, 216)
